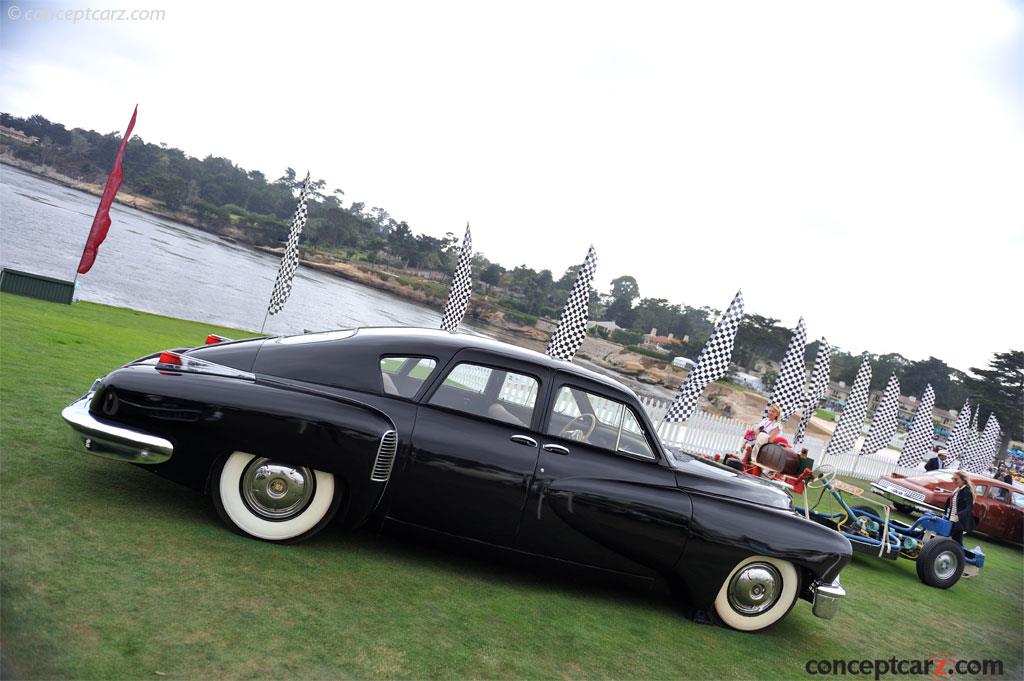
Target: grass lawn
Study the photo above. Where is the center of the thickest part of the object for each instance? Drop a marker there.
(110, 572)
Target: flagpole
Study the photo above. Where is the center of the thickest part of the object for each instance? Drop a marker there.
(264, 324)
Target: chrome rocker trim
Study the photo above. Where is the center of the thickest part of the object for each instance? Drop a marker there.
(111, 441)
(827, 598)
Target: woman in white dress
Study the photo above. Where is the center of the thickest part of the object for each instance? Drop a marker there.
(769, 429)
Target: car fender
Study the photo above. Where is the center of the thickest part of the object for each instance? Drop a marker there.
(644, 523)
(209, 416)
(725, 531)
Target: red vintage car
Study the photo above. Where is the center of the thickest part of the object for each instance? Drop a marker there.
(998, 506)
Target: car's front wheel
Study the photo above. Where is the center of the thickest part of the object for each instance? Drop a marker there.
(273, 500)
(757, 593)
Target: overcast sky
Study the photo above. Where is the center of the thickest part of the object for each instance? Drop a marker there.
(859, 164)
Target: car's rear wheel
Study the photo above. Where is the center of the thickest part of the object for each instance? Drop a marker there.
(757, 593)
(272, 500)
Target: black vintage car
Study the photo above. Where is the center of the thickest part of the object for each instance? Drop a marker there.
(466, 436)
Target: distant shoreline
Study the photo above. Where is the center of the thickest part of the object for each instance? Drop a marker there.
(483, 316)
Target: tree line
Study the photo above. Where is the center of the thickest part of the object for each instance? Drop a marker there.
(219, 195)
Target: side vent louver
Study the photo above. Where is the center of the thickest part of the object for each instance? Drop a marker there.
(385, 457)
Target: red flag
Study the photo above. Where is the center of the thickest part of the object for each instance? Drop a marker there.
(101, 223)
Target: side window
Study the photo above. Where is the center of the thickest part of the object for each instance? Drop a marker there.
(403, 376)
(585, 417)
(1018, 500)
(979, 490)
(492, 393)
(518, 389)
(632, 440)
(1000, 494)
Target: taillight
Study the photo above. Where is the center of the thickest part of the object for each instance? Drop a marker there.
(178, 362)
(213, 339)
(169, 360)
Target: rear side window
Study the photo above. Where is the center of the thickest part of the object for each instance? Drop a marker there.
(403, 376)
(1000, 494)
(492, 393)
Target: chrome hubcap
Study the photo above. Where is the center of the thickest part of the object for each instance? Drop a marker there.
(276, 491)
(755, 589)
(945, 565)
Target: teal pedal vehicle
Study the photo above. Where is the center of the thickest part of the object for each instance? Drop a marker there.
(941, 561)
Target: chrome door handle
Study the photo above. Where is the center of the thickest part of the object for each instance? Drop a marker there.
(556, 449)
(523, 440)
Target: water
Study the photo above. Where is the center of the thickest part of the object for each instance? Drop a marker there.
(156, 265)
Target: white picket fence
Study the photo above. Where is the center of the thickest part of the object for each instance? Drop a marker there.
(707, 435)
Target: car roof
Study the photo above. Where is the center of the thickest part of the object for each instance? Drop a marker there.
(436, 341)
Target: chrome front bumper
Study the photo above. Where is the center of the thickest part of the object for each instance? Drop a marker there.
(904, 497)
(827, 598)
(112, 441)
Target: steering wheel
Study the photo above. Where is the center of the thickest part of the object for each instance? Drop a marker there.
(822, 474)
(582, 436)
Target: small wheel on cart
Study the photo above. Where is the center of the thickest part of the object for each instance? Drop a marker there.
(940, 563)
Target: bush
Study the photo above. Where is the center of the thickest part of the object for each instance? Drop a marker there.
(520, 318)
(626, 337)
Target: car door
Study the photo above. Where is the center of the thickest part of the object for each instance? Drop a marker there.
(1015, 528)
(473, 449)
(998, 511)
(603, 494)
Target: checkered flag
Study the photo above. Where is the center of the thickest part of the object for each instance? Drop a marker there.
(712, 364)
(852, 417)
(922, 432)
(973, 434)
(956, 444)
(572, 327)
(462, 286)
(819, 387)
(980, 452)
(789, 386)
(883, 423)
(290, 259)
(990, 441)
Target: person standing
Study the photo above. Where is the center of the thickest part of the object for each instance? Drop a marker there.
(933, 463)
(960, 507)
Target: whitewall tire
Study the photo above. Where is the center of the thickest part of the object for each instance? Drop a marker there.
(757, 593)
(273, 500)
